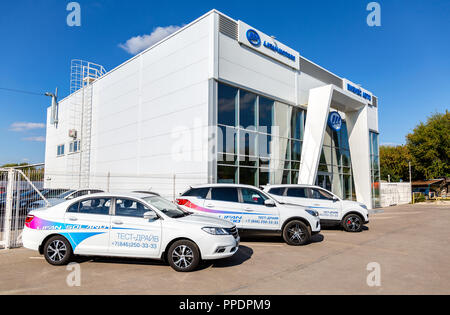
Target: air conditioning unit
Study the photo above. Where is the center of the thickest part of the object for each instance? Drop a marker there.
(73, 133)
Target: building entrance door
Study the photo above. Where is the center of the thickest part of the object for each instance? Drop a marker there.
(324, 180)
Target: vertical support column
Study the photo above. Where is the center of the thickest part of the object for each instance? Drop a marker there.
(358, 139)
(316, 121)
(9, 208)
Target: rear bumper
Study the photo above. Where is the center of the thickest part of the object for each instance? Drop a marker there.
(31, 239)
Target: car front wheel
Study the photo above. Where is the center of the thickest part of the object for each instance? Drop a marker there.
(296, 233)
(352, 223)
(183, 256)
(57, 251)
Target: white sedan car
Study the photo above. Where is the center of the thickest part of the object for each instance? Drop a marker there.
(333, 211)
(128, 225)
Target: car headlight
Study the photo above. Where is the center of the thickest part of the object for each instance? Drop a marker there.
(314, 213)
(215, 231)
(363, 206)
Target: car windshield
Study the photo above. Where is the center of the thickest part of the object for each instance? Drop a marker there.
(165, 206)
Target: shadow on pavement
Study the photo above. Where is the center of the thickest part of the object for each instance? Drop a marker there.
(243, 254)
(275, 238)
(340, 228)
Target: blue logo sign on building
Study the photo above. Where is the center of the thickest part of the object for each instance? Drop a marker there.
(253, 38)
(359, 92)
(335, 121)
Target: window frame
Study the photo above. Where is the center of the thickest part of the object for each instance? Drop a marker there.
(306, 189)
(86, 199)
(135, 200)
(241, 196)
(60, 152)
(283, 188)
(221, 187)
(310, 192)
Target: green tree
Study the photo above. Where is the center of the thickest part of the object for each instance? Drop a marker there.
(429, 147)
(394, 162)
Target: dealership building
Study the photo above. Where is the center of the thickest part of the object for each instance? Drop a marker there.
(218, 101)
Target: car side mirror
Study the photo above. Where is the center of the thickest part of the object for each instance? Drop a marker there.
(269, 203)
(335, 199)
(150, 216)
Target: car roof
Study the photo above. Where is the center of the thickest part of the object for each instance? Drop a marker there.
(223, 185)
(118, 195)
(292, 185)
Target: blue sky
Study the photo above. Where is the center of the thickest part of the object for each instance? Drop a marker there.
(405, 62)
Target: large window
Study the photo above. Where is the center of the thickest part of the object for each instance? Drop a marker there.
(259, 139)
(375, 169)
(335, 169)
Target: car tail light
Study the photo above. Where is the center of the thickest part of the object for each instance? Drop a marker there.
(29, 218)
(182, 202)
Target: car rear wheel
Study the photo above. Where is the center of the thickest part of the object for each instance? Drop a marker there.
(183, 256)
(57, 251)
(296, 233)
(352, 223)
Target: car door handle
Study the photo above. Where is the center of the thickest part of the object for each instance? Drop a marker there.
(118, 222)
(73, 219)
(249, 209)
(210, 205)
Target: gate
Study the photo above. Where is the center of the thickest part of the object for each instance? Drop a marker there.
(20, 191)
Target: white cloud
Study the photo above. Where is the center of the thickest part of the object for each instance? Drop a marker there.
(24, 126)
(35, 139)
(139, 43)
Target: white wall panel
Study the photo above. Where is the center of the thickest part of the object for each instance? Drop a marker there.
(248, 68)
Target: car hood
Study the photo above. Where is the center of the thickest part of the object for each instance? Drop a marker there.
(205, 221)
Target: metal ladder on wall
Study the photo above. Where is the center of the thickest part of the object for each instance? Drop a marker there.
(86, 129)
(90, 73)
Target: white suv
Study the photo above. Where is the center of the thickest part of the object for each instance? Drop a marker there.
(332, 210)
(128, 225)
(252, 210)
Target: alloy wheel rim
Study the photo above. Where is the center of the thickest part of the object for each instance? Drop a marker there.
(56, 251)
(296, 234)
(182, 256)
(353, 223)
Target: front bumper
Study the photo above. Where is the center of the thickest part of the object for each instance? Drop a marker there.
(219, 246)
(315, 226)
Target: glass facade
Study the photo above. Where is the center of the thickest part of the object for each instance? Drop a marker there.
(259, 139)
(260, 142)
(335, 167)
(375, 169)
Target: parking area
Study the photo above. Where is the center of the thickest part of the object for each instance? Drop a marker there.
(410, 243)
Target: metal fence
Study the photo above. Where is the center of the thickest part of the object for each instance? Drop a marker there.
(395, 194)
(19, 189)
(28, 188)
